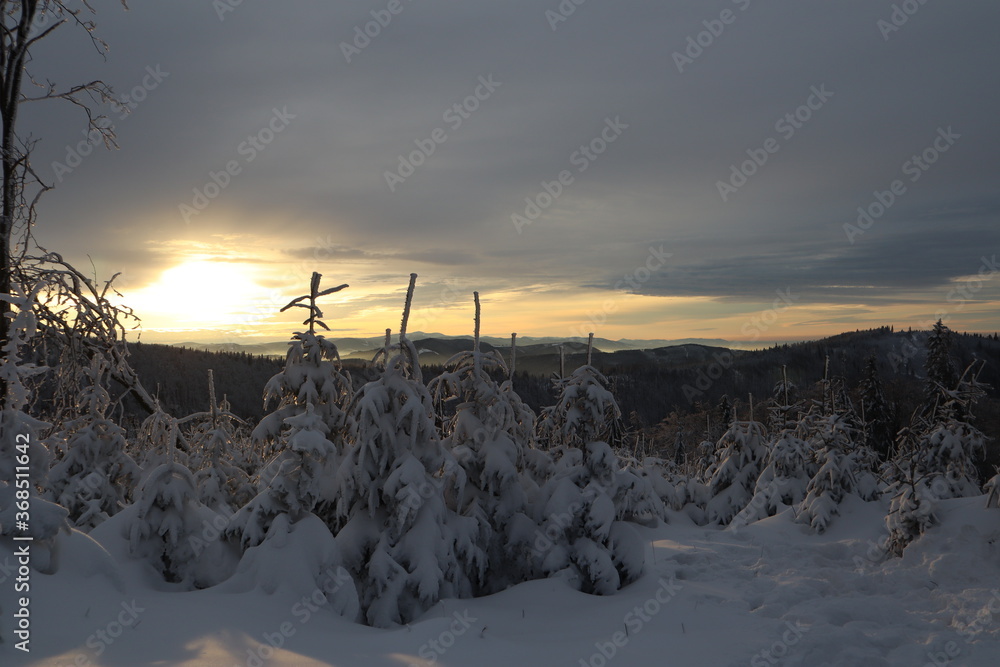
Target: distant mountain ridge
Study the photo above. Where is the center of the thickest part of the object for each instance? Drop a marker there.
(357, 347)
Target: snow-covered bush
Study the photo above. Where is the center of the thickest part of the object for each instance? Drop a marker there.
(94, 477)
(222, 483)
(836, 478)
(301, 559)
(944, 446)
(24, 458)
(669, 483)
(166, 527)
(160, 441)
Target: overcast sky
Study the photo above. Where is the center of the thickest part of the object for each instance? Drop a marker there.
(650, 234)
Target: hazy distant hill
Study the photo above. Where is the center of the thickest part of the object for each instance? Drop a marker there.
(360, 347)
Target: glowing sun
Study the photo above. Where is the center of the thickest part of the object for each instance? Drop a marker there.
(198, 294)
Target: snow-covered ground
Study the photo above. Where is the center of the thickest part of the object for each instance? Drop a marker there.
(771, 593)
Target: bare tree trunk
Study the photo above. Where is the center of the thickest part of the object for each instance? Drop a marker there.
(13, 51)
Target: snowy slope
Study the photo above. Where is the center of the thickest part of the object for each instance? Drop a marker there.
(766, 594)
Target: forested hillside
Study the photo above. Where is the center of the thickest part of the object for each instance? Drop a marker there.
(661, 391)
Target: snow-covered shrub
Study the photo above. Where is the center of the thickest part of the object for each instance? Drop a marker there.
(222, 484)
(301, 559)
(783, 412)
(944, 446)
(94, 477)
(523, 420)
(24, 458)
(166, 527)
(160, 441)
(665, 480)
(837, 477)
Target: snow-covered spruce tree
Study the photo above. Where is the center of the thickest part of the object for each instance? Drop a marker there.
(939, 368)
(947, 453)
(785, 468)
(944, 444)
(837, 463)
(307, 430)
(312, 375)
(587, 503)
(912, 509)
(935, 454)
(287, 544)
(24, 459)
(524, 419)
(670, 483)
(168, 527)
(93, 478)
(581, 417)
(941, 446)
(487, 436)
(586, 508)
(783, 413)
(222, 484)
(692, 486)
(584, 410)
(404, 545)
(160, 441)
(740, 453)
(537, 463)
(876, 412)
(844, 467)
(783, 479)
(538, 458)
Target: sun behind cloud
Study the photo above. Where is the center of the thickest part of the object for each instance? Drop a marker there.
(199, 294)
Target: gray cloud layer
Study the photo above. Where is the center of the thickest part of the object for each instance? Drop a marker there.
(323, 176)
